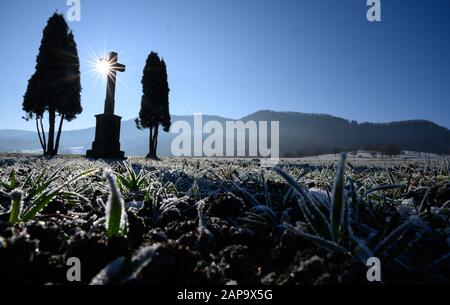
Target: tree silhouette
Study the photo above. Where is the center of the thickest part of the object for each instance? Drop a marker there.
(155, 101)
(55, 86)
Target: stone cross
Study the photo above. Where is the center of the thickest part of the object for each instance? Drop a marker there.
(107, 131)
(114, 67)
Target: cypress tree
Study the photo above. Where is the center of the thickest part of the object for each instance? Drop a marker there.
(55, 86)
(155, 101)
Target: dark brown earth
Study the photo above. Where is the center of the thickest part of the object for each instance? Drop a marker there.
(36, 252)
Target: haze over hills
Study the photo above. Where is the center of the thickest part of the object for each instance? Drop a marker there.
(300, 134)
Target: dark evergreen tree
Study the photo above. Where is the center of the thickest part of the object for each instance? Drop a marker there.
(155, 101)
(55, 86)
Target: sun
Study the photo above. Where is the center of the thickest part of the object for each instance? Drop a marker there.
(103, 66)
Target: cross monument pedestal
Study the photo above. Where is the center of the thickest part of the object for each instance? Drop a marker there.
(107, 132)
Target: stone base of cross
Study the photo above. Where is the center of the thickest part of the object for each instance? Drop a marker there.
(107, 138)
(107, 132)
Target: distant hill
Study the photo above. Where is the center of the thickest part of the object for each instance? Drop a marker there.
(306, 134)
(300, 135)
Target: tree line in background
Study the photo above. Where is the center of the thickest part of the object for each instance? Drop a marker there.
(55, 88)
(376, 150)
(304, 134)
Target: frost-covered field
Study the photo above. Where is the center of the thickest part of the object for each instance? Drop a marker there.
(207, 221)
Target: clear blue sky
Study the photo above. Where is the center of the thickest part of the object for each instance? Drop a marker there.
(233, 57)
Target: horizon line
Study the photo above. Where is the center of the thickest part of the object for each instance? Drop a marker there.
(264, 110)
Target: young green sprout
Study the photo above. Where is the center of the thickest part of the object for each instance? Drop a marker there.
(206, 241)
(116, 217)
(16, 205)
